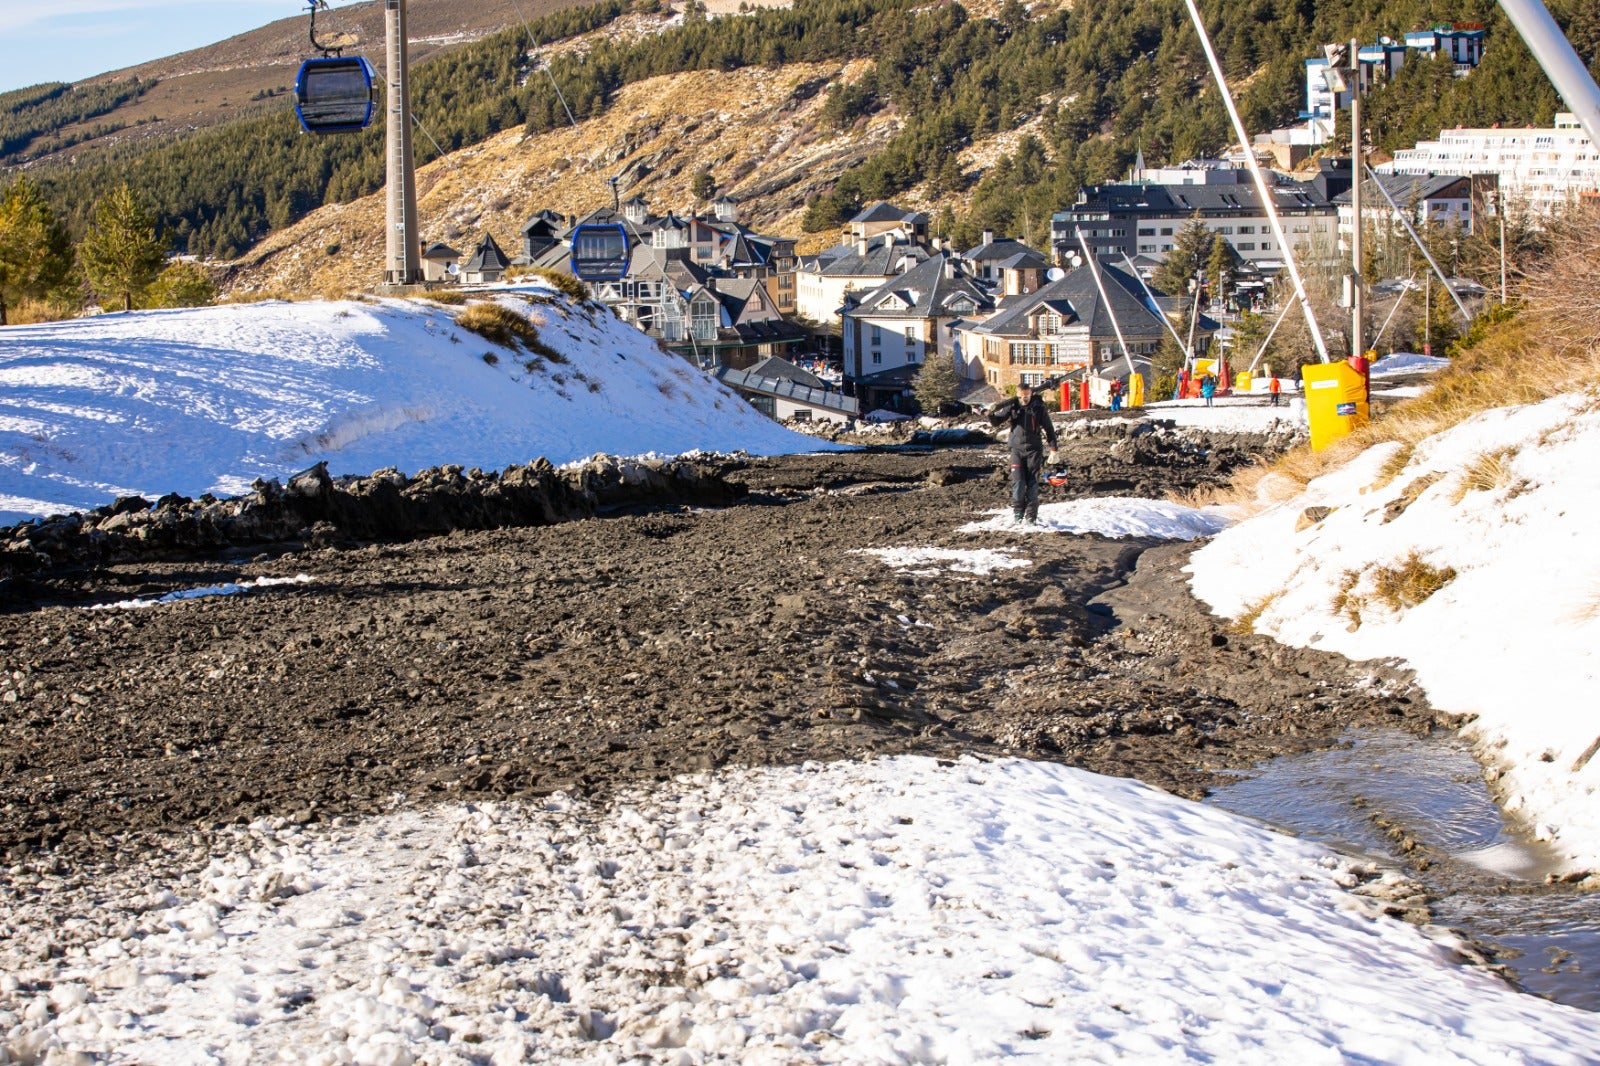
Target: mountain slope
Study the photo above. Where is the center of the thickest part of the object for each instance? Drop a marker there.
(253, 72)
(210, 399)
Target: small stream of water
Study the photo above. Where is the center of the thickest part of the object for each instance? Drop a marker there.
(1491, 881)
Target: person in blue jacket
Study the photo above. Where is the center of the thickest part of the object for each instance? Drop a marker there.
(1208, 388)
(1030, 424)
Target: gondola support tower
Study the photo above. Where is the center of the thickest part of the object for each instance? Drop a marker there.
(403, 245)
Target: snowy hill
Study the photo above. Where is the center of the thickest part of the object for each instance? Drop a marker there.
(1469, 556)
(207, 400)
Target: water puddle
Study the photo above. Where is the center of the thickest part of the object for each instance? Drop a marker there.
(1489, 878)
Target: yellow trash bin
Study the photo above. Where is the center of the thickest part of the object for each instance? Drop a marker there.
(1336, 401)
(1241, 381)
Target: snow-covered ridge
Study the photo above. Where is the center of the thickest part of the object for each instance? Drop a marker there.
(209, 399)
(1499, 515)
(901, 910)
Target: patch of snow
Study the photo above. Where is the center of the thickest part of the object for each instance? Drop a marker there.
(1232, 414)
(1111, 516)
(1407, 363)
(1513, 638)
(894, 911)
(209, 399)
(229, 588)
(926, 561)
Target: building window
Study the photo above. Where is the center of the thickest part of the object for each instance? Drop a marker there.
(1147, 247)
(877, 336)
(1247, 246)
(1266, 246)
(1247, 229)
(1147, 231)
(877, 358)
(1166, 231)
(1226, 231)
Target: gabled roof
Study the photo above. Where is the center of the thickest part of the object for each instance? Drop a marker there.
(924, 291)
(1076, 297)
(1028, 260)
(783, 370)
(439, 250)
(546, 220)
(882, 259)
(487, 258)
(883, 211)
(1004, 248)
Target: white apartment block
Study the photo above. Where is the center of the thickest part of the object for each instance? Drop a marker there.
(1542, 169)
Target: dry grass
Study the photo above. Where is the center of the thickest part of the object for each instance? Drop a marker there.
(499, 325)
(1489, 472)
(1246, 622)
(564, 283)
(444, 296)
(1396, 588)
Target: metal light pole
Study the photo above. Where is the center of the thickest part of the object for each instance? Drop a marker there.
(1358, 286)
(402, 249)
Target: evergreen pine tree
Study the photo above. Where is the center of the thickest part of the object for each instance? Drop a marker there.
(1191, 248)
(935, 384)
(181, 284)
(35, 255)
(122, 251)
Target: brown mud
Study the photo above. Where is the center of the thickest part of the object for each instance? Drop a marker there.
(647, 641)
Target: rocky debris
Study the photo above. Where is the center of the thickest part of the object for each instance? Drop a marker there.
(583, 655)
(318, 509)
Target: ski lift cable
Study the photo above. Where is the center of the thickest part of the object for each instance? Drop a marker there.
(1155, 306)
(1398, 300)
(1260, 180)
(1423, 248)
(532, 44)
(1287, 307)
(1094, 272)
(417, 122)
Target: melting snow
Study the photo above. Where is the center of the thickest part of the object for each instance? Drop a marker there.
(892, 911)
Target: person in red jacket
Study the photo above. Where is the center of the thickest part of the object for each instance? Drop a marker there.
(1276, 387)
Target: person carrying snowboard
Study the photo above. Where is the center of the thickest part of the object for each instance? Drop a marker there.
(1029, 421)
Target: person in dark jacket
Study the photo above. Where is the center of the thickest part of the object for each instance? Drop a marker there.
(1030, 424)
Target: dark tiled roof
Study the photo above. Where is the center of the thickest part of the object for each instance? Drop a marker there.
(883, 211)
(487, 259)
(1077, 298)
(924, 291)
(774, 367)
(881, 260)
(1404, 188)
(439, 250)
(1004, 248)
(1167, 200)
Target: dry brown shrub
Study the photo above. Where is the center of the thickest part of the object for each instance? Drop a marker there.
(1560, 289)
(498, 324)
(1488, 472)
(1246, 622)
(1397, 588)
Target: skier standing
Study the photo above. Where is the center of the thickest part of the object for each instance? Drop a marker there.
(1025, 413)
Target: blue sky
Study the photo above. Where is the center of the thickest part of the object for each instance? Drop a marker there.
(68, 40)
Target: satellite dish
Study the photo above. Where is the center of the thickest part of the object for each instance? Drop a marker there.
(1055, 274)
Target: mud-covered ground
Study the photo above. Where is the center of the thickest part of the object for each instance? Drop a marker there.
(634, 646)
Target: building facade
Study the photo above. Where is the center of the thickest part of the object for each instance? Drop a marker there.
(1143, 219)
(1542, 170)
